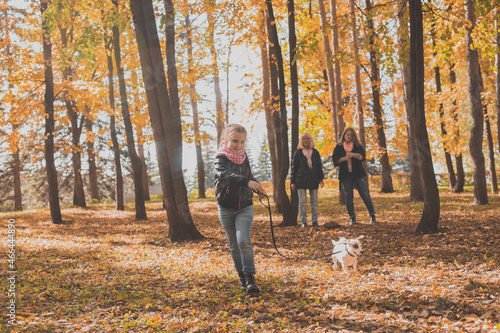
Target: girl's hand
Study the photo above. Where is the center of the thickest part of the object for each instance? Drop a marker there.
(256, 187)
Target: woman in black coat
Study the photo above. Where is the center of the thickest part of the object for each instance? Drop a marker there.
(348, 156)
(307, 174)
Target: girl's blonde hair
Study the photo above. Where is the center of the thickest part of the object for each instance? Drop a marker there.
(228, 131)
(306, 135)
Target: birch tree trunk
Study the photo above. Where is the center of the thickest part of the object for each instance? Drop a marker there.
(357, 77)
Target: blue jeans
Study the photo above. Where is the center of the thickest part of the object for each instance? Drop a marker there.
(237, 225)
(362, 186)
(313, 196)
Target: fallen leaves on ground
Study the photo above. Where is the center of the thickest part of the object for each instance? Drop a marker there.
(105, 272)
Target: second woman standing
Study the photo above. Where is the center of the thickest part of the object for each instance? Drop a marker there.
(307, 174)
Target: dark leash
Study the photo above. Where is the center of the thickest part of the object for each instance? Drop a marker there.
(268, 206)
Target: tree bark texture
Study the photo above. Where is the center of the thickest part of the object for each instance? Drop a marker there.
(477, 127)
(76, 129)
(145, 176)
(114, 138)
(140, 206)
(194, 106)
(497, 62)
(18, 197)
(294, 83)
(430, 216)
(387, 186)
(416, 187)
(166, 124)
(266, 101)
(279, 118)
(55, 208)
(491, 151)
(357, 77)
(93, 178)
(437, 76)
(459, 186)
(336, 59)
(220, 121)
(327, 51)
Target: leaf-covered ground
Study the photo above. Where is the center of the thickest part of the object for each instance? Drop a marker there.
(105, 272)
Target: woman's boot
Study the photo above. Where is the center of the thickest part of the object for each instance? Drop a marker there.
(353, 220)
(243, 281)
(251, 285)
(372, 219)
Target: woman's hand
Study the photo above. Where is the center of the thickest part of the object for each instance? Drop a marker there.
(257, 188)
(350, 155)
(293, 187)
(321, 184)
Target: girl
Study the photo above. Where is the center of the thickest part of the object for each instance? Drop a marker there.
(234, 187)
(349, 155)
(307, 174)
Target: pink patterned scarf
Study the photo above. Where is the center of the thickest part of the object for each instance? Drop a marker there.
(308, 154)
(348, 146)
(235, 158)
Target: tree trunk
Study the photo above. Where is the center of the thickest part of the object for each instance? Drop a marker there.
(18, 198)
(357, 78)
(477, 127)
(497, 62)
(76, 129)
(112, 126)
(416, 187)
(194, 105)
(329, 67)
(279, 118)
(140, 152)
(140, 207)
(459, 186)
(437, 76)
(166, 124)
(294, 83)
(220, 121)
(430, 215)
(491, 151)
(55, 209)
(268, 107)
(336, 55)
(387, 186)
(93, 179)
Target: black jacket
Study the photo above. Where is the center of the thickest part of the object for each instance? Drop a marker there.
(357, 165)
(231, 183)
(304, 177)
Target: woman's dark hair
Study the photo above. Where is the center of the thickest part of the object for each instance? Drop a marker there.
(354, 139)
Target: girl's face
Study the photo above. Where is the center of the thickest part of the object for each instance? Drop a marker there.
(306, 142)
(236, 142)
(349, 136)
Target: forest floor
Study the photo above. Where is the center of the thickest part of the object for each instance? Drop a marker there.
(103, 271)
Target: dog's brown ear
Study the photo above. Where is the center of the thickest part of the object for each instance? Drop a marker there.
(360, 237)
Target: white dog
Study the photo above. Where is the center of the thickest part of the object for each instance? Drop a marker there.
(347, 251)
